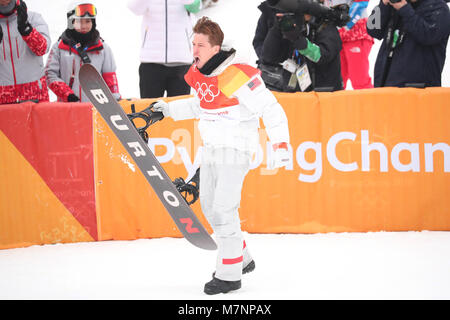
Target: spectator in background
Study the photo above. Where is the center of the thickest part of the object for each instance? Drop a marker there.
(208, 3)
(415, 37)
(308, 47)
(24, 39)
(166, 52)
(265, 23)
(356, 44)
(80, 43)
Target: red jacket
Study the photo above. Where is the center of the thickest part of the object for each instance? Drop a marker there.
(358, 32)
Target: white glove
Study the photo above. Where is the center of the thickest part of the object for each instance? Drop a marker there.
(162, 106)
(281, 156)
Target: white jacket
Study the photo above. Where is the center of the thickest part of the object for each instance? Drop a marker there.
(235, 126)
(166, 30)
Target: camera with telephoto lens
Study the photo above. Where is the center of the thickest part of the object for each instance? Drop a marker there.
(338, 15)
(287, 21)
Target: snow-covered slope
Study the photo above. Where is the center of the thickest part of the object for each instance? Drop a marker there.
(405, 265)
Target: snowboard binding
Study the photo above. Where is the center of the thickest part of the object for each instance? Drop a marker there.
(188, 190)
(148, 115)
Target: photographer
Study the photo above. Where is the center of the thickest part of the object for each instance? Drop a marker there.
(301, 53)
(415, 36)
(265, 23)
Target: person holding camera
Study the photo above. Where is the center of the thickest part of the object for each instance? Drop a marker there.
(415, 35)
(265, 23)
(301, 53)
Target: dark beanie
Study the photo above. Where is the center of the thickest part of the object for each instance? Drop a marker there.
(9, 8)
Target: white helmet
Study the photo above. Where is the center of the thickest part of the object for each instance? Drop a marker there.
(80, 9)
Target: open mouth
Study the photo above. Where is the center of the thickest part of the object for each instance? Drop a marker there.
(196, 60)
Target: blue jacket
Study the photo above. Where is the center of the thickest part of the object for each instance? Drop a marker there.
(423, 32)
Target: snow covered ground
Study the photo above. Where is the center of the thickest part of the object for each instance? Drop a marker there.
(385, 265)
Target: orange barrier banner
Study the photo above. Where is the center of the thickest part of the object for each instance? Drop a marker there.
(46, 174)
(365, 160)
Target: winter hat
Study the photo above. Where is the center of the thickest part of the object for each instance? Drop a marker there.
(81, 9)
(334, 3)
(5, 9)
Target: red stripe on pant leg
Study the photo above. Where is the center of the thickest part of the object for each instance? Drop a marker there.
(244, 245)
(233, 261)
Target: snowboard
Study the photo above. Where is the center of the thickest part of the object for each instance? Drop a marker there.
(185, 219)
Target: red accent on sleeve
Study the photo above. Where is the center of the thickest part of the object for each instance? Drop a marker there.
(36, 42)
(61, 89)
(111, 81)
(281, 145)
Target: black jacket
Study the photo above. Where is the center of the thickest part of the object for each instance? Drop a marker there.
(265, 23)
(419, 56)
(326, 73)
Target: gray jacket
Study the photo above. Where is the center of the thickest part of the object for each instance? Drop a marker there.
(18, 63)
(63, 64)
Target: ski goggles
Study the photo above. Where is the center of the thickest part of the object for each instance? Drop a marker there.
(87, 9)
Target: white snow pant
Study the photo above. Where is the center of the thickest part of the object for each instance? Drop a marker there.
(222, 175)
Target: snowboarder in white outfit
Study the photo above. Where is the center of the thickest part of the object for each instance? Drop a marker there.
(230, 98)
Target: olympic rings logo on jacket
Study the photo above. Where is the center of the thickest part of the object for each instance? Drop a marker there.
(205, 92)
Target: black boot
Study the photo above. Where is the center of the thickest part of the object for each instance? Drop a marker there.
(247, 269)
(216, 286)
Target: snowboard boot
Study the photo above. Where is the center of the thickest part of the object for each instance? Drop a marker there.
(216, 286)
(247, 269)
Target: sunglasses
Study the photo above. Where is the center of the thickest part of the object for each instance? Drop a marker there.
(85, 9)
